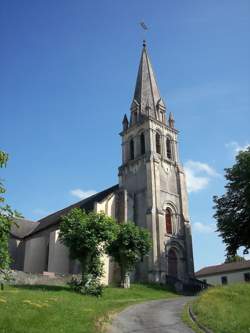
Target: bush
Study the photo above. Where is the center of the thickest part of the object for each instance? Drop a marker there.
(91, 287)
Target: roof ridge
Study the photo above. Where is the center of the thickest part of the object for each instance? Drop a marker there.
(76, 203)
(87, 204)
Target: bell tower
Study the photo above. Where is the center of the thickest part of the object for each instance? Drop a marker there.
(153, 178)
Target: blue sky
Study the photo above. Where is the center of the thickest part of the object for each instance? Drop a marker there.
(68, 71)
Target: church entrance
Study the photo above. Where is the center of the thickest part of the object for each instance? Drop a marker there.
(172, 263)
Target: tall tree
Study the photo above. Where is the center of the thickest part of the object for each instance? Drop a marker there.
(87, 236)
(6, 220)
(233, 208)
(131, 244)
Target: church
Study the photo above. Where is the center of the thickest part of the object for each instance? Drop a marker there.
(151, 191)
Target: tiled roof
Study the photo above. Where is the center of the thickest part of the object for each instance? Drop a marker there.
(230, 267)
(87, 204)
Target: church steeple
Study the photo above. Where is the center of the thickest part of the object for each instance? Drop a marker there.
(147, 100)
(153, 181)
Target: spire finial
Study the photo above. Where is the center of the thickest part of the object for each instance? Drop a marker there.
(144, 43)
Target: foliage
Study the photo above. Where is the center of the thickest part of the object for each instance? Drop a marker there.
(53, 309)
(224, 309)
(132, 243)
(87, 236)
(6, 220)
(235, 258)
(233, 208)
(187, 319)
(91, 287)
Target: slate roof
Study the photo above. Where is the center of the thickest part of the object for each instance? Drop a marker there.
(87, 204)
(223, 268)
(22, 227)
(146, 92)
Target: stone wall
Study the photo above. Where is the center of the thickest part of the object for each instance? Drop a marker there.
(21, 278)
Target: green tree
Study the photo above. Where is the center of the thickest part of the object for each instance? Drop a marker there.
(132, 243)
(233, 208)
(235, 258)
(6, 220)
(87, 236)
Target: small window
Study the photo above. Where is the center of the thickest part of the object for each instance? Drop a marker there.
(132, 152)
(169, 150)
(142, 141)
(168, 220)
(247, 277)
(134, 117)
(224, 279)
(158, 143)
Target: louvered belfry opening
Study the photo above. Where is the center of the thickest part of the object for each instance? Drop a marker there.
(142, 141)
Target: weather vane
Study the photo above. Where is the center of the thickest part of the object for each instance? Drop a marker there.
(144, 27)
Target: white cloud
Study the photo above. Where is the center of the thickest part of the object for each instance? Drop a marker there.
(236, 147)
(247, 256)
(198, 175)
(203, 228)
(81, 194)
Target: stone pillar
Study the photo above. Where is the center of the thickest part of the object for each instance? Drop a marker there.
(121, 205)
(35, 255)
(153, 264)
(189, 249)
(58, 255)
(186, 222)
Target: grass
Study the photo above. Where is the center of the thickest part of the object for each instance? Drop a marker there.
(186, 318)
(50, 309)
(225, 309)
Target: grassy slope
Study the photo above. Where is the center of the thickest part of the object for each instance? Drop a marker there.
(186, 318)
(56, 309)
(225, 309)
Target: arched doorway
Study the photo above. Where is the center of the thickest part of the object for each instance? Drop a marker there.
(172, 263)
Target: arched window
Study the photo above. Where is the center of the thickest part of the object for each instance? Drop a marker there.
(132, 152)
(142, 140)
(169, 150)
(158, 143)
(168, 220)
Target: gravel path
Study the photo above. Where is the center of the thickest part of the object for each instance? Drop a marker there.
(152, 317)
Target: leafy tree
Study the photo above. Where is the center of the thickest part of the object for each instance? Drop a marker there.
(132, 243)
(6, 220)
(235, 258)
(87, 236)
(233, 208)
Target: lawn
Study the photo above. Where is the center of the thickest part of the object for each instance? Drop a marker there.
(35, 309)
(225, 309)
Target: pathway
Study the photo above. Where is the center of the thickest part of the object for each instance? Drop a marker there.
(152, 317)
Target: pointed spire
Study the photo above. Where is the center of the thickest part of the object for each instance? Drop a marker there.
(125, 122)
(147, 94)
(171, 120)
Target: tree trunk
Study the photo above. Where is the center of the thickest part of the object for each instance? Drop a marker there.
(125, 279)
(85, 268)
(2, 286)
